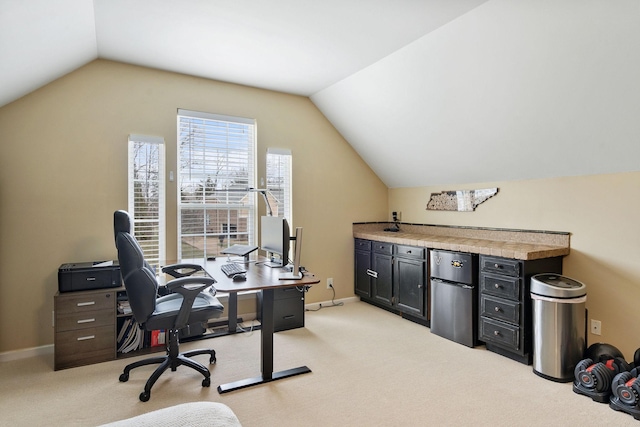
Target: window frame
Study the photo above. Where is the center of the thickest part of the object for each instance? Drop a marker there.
(143, 224)
(207, 144)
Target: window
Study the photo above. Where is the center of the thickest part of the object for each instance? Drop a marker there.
(147, 195)
(216, 167)
(279, 181)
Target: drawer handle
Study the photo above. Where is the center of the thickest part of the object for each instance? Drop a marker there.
(497, 309)
(291, 316)
(91, 279)
(408, 252)
(497, 266)
(86, 321)
(372, 273)
(496, 333)
(497, 286)
(84, 304)
(88, 337)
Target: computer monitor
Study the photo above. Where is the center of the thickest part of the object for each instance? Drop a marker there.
(274, 238)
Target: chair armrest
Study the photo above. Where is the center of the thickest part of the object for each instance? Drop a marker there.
(172, 269)
(188, 294)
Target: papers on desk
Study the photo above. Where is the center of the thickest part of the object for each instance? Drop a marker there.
(103, 264)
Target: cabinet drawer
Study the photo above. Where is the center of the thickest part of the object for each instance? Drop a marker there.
(497, 308)
(84, 346)
(382, 248)
(410, 251)
(286, 293)
(83, 320)
(85, 301)
(363, 245)
(510, 267)
(500, 333)
(502, 286)
(288, 314)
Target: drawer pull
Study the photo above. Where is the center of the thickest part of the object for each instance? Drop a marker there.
(91, 279)
(372, 273)
(496, 333)
(496, 265)
(86, 321)
(84, 304)
(408, 252)
(88, 337)
(291, 316)
(497, 309)
(496, 285)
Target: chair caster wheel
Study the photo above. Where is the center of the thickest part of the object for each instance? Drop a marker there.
(124, 378)
(206, 382)
(144, 396)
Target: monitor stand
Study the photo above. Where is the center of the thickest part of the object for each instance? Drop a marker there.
(295, 273)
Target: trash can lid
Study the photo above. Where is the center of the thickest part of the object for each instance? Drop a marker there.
(556, 285)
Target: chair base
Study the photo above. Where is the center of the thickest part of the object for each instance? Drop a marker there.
(170, 360)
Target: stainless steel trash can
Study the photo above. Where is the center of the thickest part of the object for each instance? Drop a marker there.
(559, 325)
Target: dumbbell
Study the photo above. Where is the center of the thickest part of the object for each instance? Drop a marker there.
(599, 376)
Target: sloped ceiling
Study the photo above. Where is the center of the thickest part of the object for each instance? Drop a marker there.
(428, 92)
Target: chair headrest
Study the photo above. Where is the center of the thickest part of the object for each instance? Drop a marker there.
(122, 223)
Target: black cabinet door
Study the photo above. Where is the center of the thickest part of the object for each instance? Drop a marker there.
(382, 264)
(410, 285)
(362, 269)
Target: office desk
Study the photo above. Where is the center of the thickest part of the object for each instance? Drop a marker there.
(264, 279)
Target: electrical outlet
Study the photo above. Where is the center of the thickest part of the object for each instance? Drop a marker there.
(330, 283)
(596, 327)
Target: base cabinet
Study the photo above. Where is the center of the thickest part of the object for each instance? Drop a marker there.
(505, 318)
(84, 328)
(393, 277)
(288, 308)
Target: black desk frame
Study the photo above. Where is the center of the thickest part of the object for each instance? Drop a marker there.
(266, 349)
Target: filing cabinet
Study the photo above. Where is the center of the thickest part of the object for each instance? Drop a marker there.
(84, 327)
(288, 308)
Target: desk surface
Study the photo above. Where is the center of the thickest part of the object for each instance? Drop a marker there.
(259, 276)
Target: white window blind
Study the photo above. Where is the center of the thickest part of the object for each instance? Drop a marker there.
(147, 195)
(216, 156)
(279, 181)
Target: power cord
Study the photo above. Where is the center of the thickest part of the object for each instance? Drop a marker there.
(333, 303)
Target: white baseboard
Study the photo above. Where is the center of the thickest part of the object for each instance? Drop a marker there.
(316, 305)
(25, 353)
(48, 349)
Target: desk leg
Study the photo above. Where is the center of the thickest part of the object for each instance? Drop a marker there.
(233, 312)
(266, 350)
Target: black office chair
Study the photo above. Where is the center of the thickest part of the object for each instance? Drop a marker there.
(181, 308)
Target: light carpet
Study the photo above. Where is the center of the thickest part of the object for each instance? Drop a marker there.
(370, 368)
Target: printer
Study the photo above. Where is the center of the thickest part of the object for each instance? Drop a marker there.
(84, 276)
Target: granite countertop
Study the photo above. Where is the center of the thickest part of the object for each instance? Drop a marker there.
(516, 244)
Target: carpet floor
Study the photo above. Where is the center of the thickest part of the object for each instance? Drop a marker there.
(369, 368)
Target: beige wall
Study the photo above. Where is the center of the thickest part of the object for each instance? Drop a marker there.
(63, 171)
(600, 211)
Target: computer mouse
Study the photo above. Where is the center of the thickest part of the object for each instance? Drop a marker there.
(239, 277)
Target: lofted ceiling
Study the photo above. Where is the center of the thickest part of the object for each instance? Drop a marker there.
(428, 92)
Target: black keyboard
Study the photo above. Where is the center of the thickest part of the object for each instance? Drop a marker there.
(231, 269)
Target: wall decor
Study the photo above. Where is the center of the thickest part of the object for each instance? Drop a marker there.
(459, 200)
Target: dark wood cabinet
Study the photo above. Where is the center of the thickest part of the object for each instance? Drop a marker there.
(505, 323)
(382, 265)
(84, 327)
(393, 277)
(410, 280)
(362, 268)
